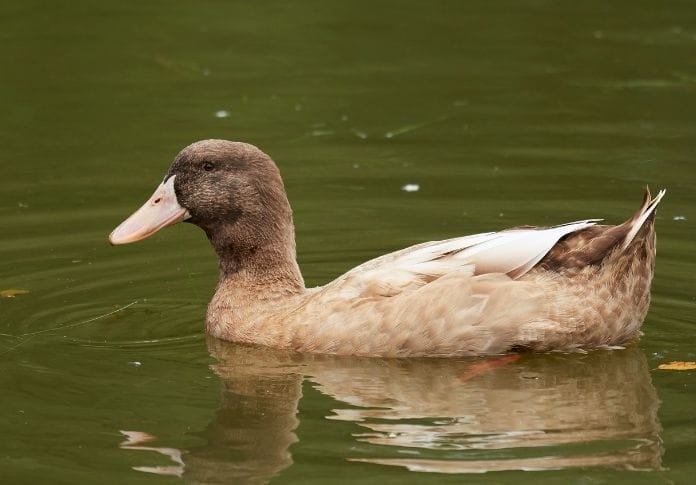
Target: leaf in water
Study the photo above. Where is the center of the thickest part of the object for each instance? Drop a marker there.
(12, 292)
(677, 365)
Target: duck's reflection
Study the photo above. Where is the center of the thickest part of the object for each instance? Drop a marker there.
(441, 415)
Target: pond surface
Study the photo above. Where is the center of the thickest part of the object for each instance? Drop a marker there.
(532, 112)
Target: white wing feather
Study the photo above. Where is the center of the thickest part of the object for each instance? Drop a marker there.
(513, 252)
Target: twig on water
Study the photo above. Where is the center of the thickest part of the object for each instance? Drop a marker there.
(26, 336)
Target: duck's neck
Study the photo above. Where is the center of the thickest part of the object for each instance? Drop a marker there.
(252, 281)
(254, 265)
(262, 270)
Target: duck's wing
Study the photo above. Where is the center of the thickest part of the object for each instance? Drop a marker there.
(512, 252)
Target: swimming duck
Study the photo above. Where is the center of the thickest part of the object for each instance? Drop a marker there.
(579, 285)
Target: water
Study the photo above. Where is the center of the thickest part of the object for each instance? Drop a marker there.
(502, 114)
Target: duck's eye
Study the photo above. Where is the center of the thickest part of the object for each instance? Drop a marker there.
(208, 166)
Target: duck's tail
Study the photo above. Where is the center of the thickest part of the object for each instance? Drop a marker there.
(645, 213)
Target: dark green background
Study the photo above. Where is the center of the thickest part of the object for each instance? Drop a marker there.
(505, 113)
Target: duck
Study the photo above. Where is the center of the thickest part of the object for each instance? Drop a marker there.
(572, 287)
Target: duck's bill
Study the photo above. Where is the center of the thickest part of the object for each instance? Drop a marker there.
(161, 210)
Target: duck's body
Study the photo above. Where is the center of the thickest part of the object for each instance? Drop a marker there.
(579, 285)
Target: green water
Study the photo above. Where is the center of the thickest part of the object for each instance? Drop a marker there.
(504, 113)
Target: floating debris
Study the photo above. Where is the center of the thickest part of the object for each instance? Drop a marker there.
(12, 292)
(679, 218)
(222, 114)
(136, 363)
(411, 188)
(677, 365)
(360, 134)
(416, 126)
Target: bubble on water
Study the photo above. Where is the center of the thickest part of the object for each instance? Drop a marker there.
(411, 188)
(679, 218)
(222, 114)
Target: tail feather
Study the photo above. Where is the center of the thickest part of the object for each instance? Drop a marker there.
(646, 211)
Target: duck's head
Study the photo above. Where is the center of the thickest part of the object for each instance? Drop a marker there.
(232, 190)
